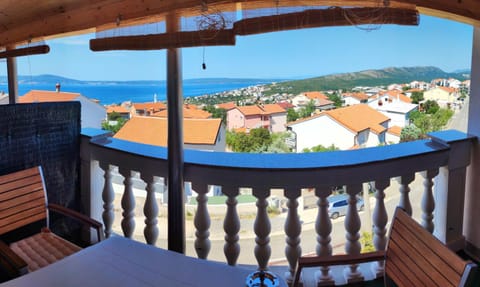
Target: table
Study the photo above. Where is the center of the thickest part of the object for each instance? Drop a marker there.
(119, 261)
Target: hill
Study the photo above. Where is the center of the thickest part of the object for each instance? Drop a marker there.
(383, 77)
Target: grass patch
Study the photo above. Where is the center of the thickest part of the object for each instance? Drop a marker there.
(244, 198)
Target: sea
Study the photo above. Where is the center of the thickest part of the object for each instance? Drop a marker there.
(117, 92)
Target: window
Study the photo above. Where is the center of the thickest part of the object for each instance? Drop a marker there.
(340, 203)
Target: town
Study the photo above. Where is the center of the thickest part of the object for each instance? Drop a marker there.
(308, 121)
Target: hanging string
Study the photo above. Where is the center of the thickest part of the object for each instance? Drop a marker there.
(204, 66)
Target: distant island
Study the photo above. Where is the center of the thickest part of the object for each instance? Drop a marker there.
(334, 81)
(214, 90)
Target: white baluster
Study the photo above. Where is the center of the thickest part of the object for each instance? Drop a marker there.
(404, 190)
(323, 227)
(262, 229)
(150, 209)
(293, 229)
(352, 226)
(202, 222)
(231, 225)
(428, 202)
(380, 219)
(108, 196)
(128, 204)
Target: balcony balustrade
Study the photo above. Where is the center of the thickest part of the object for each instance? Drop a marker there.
(441, 160)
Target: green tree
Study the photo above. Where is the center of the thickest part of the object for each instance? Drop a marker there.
(431, 122)
(417, 97)
(292, 115)
(113, 125)
(278, 143)
(307, 111)
(431, 107)
(257, 140)
(217, 113)
(114, 116)
(336, 99)
(411, 133)
(321, 148)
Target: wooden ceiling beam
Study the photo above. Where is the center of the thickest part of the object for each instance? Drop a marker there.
(26, 21)
(165, 41)
(27, 51)
(325, 18)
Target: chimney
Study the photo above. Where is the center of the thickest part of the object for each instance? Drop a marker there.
(57, 87)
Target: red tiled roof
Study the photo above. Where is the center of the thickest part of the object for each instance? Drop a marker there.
(117, 109)
(153, 131)
(356, 118)
(226, 106)
(267, 109)
(448, 89)
(152, 107)
(359, 118)
(187, 114)
(286, 105)
(36, 96)
(250, 110)
(395, 130)
(315, 95)
(358, 96)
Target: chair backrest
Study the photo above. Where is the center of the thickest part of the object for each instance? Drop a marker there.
(22, 199)
(414, 257)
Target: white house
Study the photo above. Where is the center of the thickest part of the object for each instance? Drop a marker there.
(350, 99)
(346, 128)
(320, 100)
(397, 110)
(92, 113)
(444, 96)
(393, 135)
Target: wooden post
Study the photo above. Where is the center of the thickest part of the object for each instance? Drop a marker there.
(176, 194)
(12, 79)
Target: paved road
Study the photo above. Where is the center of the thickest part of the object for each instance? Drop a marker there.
(459, 121)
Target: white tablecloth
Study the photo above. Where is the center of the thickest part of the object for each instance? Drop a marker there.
(119, 261)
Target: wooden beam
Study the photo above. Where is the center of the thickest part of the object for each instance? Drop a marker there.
(324, 18)
(165, 41)
(23, 22)
(35, 50)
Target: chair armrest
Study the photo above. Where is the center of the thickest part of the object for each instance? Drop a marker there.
(79, 217)
(11, 263)
(343, 259)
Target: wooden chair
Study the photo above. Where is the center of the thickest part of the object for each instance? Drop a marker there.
(23, 201)
(413, 257)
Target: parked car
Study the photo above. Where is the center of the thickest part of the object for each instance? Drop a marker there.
(338, 205)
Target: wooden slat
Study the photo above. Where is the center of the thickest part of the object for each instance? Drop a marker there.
(437, 247)
(425, 258)
(34, 187)
(394, 269)
(19, 174)
(22, 223)
(411, 264)
(34, 204)
(22, 199)
(416, 258)
(19, 182)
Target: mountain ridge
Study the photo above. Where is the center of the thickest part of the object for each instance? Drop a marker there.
(371, 77)
(348, 80)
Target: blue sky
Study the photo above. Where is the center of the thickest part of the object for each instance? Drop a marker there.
(282, 55)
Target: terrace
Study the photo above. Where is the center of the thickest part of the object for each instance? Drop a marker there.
(448, 161)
